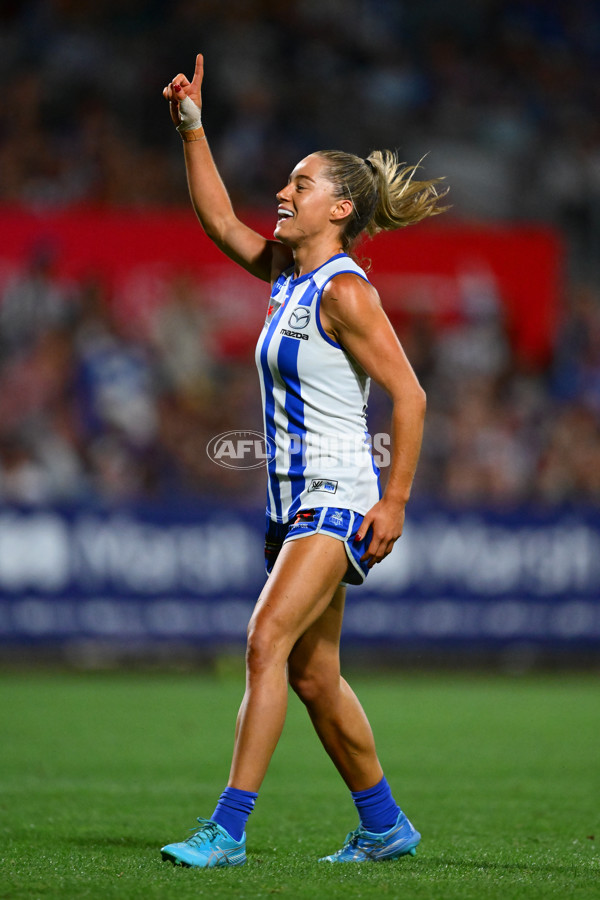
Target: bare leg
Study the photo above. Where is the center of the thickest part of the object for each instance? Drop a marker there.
(334, 709)
(297, 593)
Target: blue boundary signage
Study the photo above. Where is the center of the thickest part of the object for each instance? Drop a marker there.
(193, 573)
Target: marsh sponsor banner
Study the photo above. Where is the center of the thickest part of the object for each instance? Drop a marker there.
(194, 574)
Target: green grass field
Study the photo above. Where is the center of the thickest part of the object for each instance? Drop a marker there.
(500, 775)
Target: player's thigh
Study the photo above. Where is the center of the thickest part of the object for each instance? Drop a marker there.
(300, 588)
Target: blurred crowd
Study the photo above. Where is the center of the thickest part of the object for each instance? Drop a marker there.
(89, 410)
(499, 433)
(503, 96)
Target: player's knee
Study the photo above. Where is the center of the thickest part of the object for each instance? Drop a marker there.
(312, 687)
(257, 650)
(264, 647)
(305, 686)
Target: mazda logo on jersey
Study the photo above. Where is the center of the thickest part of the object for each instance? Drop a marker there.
(299, 317)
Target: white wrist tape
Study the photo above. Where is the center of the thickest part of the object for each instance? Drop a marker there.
(189, 115)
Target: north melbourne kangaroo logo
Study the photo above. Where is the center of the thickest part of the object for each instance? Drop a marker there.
(299, 318)
(337, 517)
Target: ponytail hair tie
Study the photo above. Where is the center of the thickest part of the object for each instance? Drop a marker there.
(371, 165)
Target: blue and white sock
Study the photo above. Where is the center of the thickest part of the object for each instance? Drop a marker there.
(233, 809)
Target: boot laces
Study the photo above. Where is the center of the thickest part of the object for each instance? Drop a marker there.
(207, 832)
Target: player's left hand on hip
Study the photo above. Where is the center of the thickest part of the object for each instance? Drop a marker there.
(387, 521)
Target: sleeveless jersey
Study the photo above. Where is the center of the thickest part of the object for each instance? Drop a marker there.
(315, 402)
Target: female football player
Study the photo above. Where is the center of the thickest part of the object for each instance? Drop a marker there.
(325, 336)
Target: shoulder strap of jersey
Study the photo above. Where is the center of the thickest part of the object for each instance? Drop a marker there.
(337, 266)
(281, 280)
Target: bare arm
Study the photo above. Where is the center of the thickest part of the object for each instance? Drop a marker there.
(261, 257)
(352, 314)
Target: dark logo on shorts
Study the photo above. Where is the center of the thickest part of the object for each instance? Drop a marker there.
(322, 484)
(294, 334)
(299, 317)
(304, 519)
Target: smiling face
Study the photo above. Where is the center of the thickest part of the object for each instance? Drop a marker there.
(308, 207)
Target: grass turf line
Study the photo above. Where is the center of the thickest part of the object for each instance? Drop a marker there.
(97, 772)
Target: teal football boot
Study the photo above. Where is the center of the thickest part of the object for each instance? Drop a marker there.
(209, 847)
(362, 845)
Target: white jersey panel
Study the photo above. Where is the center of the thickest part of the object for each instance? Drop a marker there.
(314, 401)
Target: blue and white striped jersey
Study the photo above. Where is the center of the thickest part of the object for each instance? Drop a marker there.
(315, 400)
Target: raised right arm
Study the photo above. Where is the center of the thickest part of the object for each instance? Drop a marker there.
(261, 257)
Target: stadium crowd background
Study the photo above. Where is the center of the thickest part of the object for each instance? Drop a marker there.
(505, 98)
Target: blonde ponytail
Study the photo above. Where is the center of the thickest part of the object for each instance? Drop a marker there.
(402, 200)
(384, 192)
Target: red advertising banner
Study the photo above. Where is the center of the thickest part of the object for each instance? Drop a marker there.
(444, 272)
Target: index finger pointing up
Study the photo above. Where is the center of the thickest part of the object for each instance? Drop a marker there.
(198, 73)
